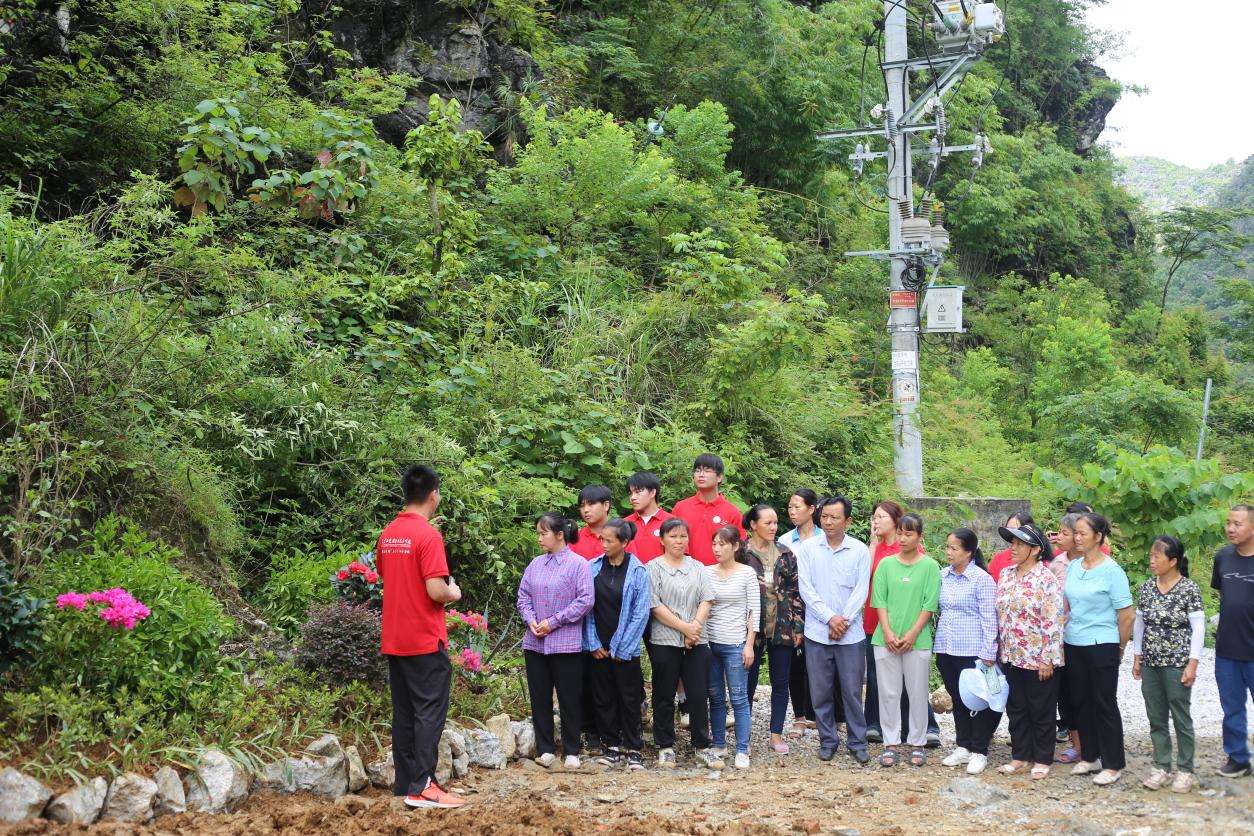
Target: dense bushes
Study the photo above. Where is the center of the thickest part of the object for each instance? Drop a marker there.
(299, 579)
(19, 622)
(341, 641)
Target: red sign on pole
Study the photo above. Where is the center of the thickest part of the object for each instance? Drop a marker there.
(903, 299)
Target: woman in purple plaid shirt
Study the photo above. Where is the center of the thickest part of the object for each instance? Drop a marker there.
(553, 598)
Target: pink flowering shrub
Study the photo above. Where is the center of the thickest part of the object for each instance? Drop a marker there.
(122, 612)
(467, 637)
(359, 583)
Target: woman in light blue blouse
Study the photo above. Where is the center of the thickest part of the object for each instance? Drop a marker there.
(1098, 628)
(965, 633)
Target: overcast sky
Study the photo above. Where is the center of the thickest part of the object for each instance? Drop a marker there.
(1194, 56)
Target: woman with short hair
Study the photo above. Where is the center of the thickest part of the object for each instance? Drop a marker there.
(1098, 628)
(783, 614)
(1064, 548)
(1167, 638)
(612, 633)
(1030, 616)
(801, 507)
(554, 596)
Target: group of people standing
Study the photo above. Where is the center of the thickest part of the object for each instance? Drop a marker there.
(707, 591)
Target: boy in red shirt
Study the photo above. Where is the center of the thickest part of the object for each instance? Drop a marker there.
(594, 507)
(416, 586)
(707, 510)
(644, 492)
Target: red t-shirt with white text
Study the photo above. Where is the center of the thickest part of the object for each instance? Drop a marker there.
(408, 554)
(705, 518)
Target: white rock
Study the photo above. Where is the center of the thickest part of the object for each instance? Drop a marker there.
(357, 780)
(130, 799)
(484, 749)
(524, 739)
(81, 805)
(171, 799)
(461, 766)
(444, 760)
(21, 796)
(217, 784)
(456, 740)
(382, 773)
(504, 731)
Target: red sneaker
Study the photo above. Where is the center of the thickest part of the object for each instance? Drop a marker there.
(434, 796)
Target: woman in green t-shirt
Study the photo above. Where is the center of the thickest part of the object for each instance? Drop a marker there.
(905, 593)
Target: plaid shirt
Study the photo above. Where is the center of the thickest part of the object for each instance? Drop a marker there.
(558, 587)
(968, 614)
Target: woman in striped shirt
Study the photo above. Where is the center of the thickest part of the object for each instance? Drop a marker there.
(731, 630)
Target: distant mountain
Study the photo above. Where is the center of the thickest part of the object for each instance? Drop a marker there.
(1163, 185)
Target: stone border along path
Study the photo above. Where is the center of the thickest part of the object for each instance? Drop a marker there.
(793, 792)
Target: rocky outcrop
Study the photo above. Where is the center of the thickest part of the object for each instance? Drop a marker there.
(217, 784)
(322, 771)
(454, 52)
(130, 799)
(21, 797)
(81, 805)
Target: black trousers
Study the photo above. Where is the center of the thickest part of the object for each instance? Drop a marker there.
(587, 704)
(420, 689)
(973, 732)
(670, 665)
(1031, 711)
(1093, 678)
(563, 671)
(618, 691)
(799, 687)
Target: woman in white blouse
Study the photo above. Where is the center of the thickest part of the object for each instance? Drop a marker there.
(730, 630)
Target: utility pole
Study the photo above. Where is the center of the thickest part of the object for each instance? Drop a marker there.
(963, 30)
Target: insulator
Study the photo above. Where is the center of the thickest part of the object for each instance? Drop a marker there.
(905, 209)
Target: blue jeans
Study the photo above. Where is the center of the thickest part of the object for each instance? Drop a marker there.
(779, 665)
(1235, 679)
(727, 664)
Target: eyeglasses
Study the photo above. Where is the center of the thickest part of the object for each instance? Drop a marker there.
(703, 470)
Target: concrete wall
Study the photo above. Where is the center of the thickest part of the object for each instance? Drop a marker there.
(982, 514)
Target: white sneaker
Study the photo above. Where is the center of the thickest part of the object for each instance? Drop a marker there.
(666, 758)
(572, 763)
(709, 759)
(1106, 777)
(730, 721)
(957, 757)
(1156, 780)
(977, 763)
(1183, 783)
(742, 760)
(684, 721)
(547, 759)
(718, 751)
(1085, 767)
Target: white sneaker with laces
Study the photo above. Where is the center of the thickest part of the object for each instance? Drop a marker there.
(572, 763)
(1184, 782)
(1156, 780)
(709, 759)
(742, 760)
(977, 764)
(957, 757)
(547, 759)
(666, 759)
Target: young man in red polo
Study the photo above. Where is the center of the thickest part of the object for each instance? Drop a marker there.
(416, 586)
(707, 510)
(644, 492)
(594, 507)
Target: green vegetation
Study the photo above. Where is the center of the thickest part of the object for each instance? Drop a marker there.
(249, 271)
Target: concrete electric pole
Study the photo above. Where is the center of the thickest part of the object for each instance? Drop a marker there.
(916, 242)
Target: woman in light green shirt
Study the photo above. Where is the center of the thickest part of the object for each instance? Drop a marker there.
(905, 593)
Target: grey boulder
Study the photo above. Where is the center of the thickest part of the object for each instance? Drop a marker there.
(524, 739)
(484, 749)
(504, 731)
(130, 799)
(216, 784)
(324, 770)
(21, 796)
(81, 805)
(444, 760)
(382, 773)
(171, 799)
(357, 779)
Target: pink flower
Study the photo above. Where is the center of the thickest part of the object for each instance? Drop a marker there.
(371, 577)
(471, 660)
(77, 600)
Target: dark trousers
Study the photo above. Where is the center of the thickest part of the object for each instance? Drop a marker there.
(973, 732)
(618, 691)
(420, 689)
(587, 703)
(837, 673)
(1030, 708)
(563, 671)
(799, 686)
(1093, 677)
(779, 660)
(670, 665)
(1066, 703)
(871, 704)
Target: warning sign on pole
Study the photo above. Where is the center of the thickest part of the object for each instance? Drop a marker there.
(903, 299)
(905, 361)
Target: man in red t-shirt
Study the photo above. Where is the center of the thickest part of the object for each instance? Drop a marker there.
(707, 510)
(416, 586)
(644, 492)
(594, 507)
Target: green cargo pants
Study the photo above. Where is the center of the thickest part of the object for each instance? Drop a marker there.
(1164, 694)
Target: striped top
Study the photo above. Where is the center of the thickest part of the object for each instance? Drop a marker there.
(737, 604)
(682, 590)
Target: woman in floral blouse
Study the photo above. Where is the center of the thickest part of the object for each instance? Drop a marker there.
(783, 614)
(1166, 643)
(1030, 620)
